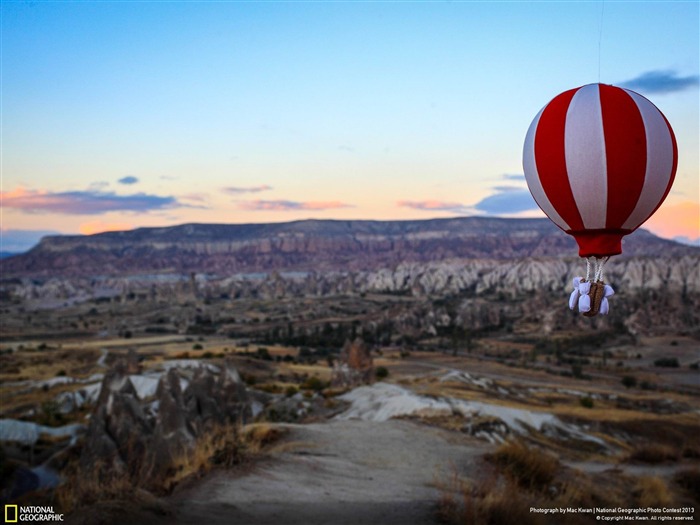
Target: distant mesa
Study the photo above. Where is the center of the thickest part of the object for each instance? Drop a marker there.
(318, 245)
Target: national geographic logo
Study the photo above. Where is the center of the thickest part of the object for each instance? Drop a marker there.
(17, 514)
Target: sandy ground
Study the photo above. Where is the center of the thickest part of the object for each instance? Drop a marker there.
(338, 472)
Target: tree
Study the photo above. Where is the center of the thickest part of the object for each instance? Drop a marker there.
(629, 381)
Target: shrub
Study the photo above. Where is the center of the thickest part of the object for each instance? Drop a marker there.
(291, 391)
(314, 383)
(668, 362)
(50, 414)
(197, 346)
(381, 372)
(629, 381)
(586, 402)
(264, 354)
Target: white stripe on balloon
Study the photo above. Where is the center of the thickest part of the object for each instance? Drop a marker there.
(584, 144)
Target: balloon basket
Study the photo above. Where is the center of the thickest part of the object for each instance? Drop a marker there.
(596, 294)
(590, 296)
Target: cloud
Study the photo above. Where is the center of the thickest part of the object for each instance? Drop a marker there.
(507, 200)
(18, 241)
(248, 189)
(661, 82)
(506, 189)
(197, 197)
(84, 202)
(98, 186)
(429, 205)
(514, 176)
(284, 205)
(129, 179)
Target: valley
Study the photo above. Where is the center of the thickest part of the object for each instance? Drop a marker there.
(473, 357)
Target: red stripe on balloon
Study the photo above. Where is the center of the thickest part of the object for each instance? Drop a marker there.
(550, 158)
(625, 152)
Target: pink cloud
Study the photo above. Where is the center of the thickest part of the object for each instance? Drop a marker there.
(284, 205)
(90, 202)
(197, 197)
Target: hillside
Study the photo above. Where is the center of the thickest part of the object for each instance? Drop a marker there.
(305, 245)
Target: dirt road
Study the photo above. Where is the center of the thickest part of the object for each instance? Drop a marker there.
(336, 473)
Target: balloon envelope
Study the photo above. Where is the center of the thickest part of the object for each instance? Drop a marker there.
(599, 160)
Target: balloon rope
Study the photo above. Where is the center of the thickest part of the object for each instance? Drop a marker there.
(588, 268)
(600, 264)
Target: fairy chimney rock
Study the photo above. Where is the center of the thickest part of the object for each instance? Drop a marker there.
(354, 366)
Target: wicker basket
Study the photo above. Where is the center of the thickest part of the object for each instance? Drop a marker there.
(597, 293)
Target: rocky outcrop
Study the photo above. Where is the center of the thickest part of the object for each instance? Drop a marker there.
(145, 438)
(354, 366)
(653, 294)
(119, 431)
(508, 279)
(218, 399)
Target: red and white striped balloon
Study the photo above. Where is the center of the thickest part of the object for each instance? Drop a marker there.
(599, 160)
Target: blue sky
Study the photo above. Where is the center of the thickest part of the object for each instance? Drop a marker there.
(125, 114)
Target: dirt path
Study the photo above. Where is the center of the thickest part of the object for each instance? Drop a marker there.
(336, 473)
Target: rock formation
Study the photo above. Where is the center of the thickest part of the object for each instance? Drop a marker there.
(354, 367)
(125, 437)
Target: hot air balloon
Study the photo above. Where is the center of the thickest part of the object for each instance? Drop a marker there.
(599, 160)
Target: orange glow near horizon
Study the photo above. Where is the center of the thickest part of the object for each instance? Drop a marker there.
(674, 220)
(93, 227)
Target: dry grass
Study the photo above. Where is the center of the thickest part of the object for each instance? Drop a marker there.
(322, 371)
(258, 436)
(528, 478)
(221, 446)
(83, 488)
(652, 491)
(527, 467)
(492, 501)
